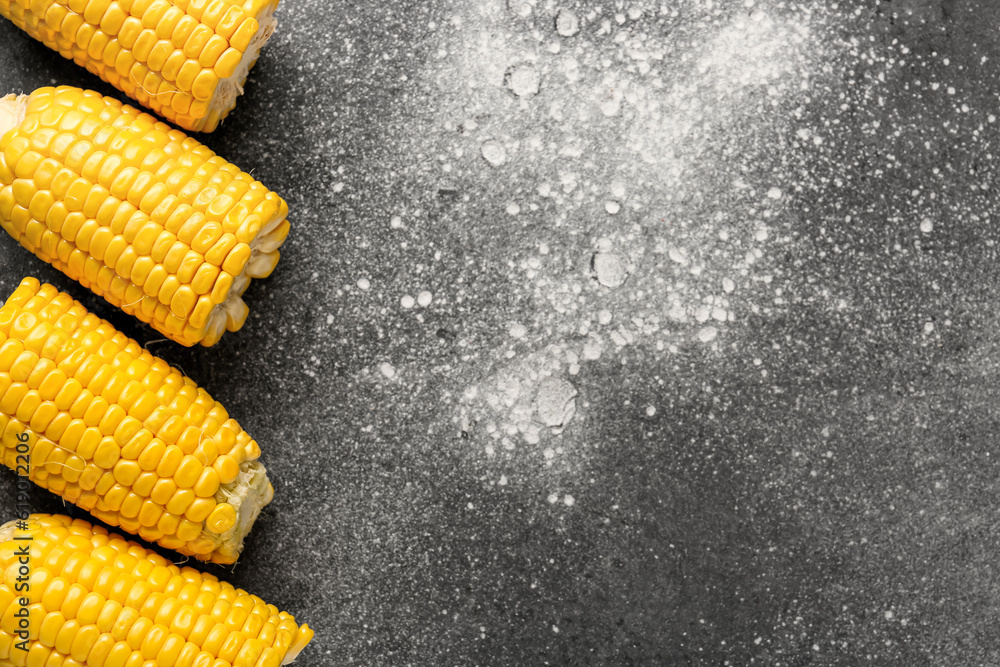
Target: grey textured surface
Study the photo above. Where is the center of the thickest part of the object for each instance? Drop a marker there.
(767, 428)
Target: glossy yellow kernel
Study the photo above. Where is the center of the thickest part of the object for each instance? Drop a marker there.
(188, 472)
(244, 34)
(65, 637)
(180, 501)
(213, 49)
(202, 312)
(154, 12)
(188, 530)
(214, 11)
(144, 483)
(227, 63)
(183, 301)
(229, 22)
(126, 472)
(167, 23)
(144, 44)
(189, 266)
(163, 245)
(222, 518)
(172, 260)
(200, 508)
(183, 30)
(107, 453)
(142, 626)
(150, 513)
(131, 505)
(237, 259)
(134, 446)
(189, 439)
(158, 56)
(172, 65)
(196, 41)
(208, 483)
(204, 85)
(204, 279)
(113, 19)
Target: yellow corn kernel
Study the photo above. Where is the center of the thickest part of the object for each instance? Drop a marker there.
(222, 518)
(214, 47)
(120, 460)
(227, 63)
(244, 34)
(204, 84)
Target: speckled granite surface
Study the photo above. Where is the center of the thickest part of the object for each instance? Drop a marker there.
(648, 332)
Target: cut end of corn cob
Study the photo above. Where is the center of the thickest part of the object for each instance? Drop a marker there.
(143, 215)
(97, 599)
(187, 61)
(12, 109)
(231, 88)
(120, 432)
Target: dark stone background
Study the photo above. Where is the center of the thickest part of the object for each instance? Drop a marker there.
(816, 485)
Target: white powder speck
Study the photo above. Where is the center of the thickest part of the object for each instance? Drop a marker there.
(503, 480)
(926, 226)
(929, 327)
(517, 330)
(329, 319)
(609, 269)
(677, 255)
(553, 498)
(494, 152)
(567, 23)
(612, 207)
(569, 500)
(523, 80)
(555, 403)
(407, 301)
(774, 193)
(387, 370)
(650, 411)
(513, 208)
(708, 334)
(424, 299)
(363, 284)
(611, 102)
(604, 317)
(521, 8)
(396, 222)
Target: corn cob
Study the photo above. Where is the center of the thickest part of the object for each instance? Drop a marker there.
(121, 433)
(187, 60)
(96, 600)
(143, 215)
